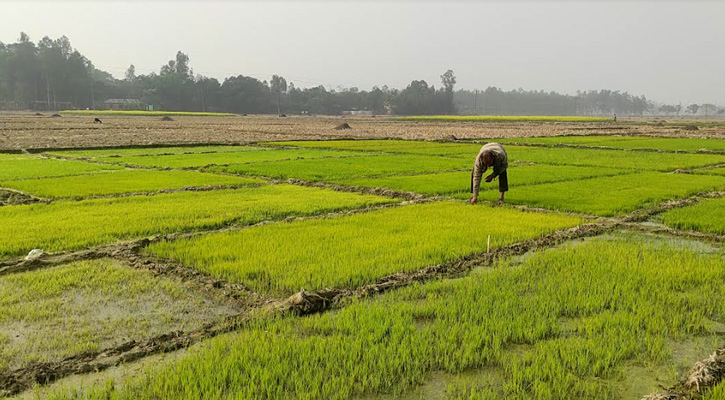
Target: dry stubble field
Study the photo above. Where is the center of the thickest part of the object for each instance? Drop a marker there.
(246, 258)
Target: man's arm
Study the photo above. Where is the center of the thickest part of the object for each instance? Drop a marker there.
(478, 169)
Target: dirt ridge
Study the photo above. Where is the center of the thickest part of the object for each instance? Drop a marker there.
(704, 375)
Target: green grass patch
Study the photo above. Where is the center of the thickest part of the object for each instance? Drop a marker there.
(503, 118)
(121, 182)
(241, 157)
(628, 142)
(559, 324)
(611, 158)
(50, 314)
(609, 196)
(72, 225)
(388, 146)
(351, 251)
(541, 155)
(711, 171)
(705, 216)
(458, 183)
(150, 151)
(136, 113)
(336, 169)
(20, 166)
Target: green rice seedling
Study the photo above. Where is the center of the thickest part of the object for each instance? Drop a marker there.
(136, 113)
(558, 324)
(540, 155)
(705, 216)
(151, 151)
(336, 169)
(645, 161)
(628, 142)
(711, 171)
(19, 166)
(61, 226)
(609, 196)
(458, 183)
(241, 157)
(356, 249)
(388, 146)
(716, 393)
(503, 118)
(124, 181)
(85, 306)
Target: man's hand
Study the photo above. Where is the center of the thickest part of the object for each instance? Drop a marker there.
(489, 178)
(474, 200)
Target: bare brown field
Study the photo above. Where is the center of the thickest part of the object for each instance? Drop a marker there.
(28, 131)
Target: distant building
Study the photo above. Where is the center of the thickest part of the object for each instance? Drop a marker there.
(357, 112)
(123, 104)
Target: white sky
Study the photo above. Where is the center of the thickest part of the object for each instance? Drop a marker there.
(670, 51)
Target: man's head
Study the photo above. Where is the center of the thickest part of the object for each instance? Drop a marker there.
(487, 158)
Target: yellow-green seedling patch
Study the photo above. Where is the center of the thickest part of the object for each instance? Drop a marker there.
(622, 159)
(49, 314)
(62, 225)
(706, 216)
(388, 146)
(336, 169)
(151, 151)
(609, 196)
(124, 181)
(357, 249)
(628, 142)
(241, 157)
(458, 183)
(563, 323)
(20, 166)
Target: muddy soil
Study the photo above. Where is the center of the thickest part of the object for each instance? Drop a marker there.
(705, 375)
(27, 131)
(11, 197)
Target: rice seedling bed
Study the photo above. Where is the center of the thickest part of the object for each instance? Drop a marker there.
(200, 160)
(645, 161)
(150, 151)
(503, 118)
(628, 142)
(457, 184)
(560, 323)
(20, 166)
(61, 226)
(540, 155)
(388, 146)
(615, 195)
(356, 249)
(86, 306)
(706, 216)
(336, 169)
(122, 182)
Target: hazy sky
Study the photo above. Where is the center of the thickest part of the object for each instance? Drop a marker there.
(667, 50)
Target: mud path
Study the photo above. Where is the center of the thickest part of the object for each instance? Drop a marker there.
(647, 213)
(10, 197)
(704, 376)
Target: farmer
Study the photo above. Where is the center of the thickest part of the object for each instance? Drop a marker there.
(491, 155)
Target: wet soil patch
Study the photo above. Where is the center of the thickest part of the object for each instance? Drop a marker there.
(12, 197)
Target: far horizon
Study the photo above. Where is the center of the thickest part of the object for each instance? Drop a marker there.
(662, 50)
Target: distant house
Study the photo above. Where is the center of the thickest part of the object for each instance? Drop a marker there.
(357, 112)
(123, 104)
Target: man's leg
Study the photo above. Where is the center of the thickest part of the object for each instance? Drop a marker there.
(503, 185)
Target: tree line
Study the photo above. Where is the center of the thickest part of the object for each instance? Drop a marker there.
(52, 75)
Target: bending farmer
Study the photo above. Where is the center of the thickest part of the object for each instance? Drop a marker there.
(491, 155)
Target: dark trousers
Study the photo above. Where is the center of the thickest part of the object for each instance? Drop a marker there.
(503, 181)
